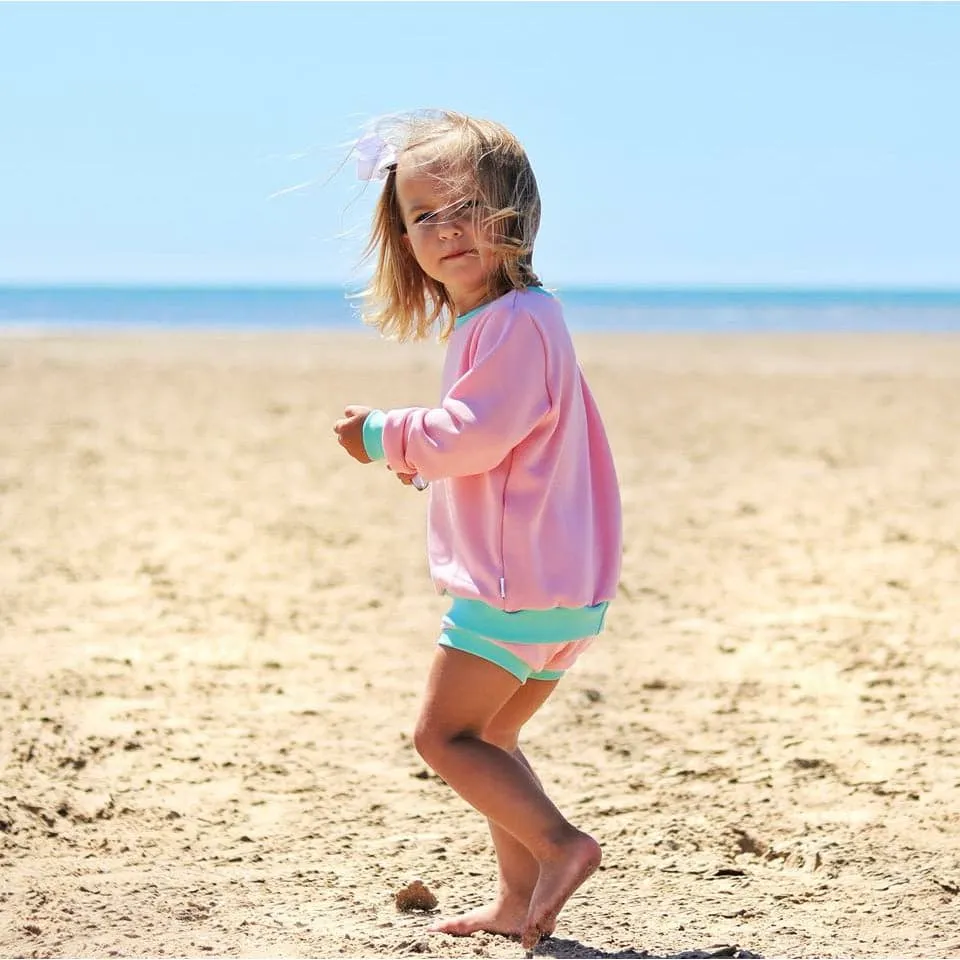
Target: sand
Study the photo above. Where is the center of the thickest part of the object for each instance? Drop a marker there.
(214, 630)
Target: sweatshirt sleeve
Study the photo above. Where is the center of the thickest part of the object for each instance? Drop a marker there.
(487, 412)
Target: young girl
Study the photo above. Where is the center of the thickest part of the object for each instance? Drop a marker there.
(524, 521)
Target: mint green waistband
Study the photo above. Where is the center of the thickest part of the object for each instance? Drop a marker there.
(559, 625)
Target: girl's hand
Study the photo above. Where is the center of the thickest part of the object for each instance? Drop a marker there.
(349, 431)
(412, 480)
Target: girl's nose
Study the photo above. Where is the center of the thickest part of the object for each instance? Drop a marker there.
(451, 229)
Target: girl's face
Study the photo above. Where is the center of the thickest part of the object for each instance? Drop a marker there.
(443, 235)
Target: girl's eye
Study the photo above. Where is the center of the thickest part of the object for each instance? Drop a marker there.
(447, 214)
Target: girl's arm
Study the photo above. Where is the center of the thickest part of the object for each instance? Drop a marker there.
(486, 413)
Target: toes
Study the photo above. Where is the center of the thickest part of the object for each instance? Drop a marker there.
(456, 928)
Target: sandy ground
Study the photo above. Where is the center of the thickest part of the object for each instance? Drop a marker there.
(214, 629)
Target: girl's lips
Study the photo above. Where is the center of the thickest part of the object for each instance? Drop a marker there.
(455, 256)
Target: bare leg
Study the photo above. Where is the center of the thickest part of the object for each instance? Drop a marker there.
(518, 873)
(518, 870)
(464, 695)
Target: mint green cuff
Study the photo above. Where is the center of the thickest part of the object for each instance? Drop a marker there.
(470, 642)
(373, 434)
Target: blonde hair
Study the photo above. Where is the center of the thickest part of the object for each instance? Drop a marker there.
(472, 158)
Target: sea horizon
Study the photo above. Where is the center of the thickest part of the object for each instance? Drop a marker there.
(733, 307)
(618, 286)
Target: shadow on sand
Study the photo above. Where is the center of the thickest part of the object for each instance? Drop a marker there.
(574, 950)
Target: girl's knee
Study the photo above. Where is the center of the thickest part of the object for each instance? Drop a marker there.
(424, 740)
(430, 740)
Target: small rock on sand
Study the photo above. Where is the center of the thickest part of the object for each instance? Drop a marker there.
(415, 896)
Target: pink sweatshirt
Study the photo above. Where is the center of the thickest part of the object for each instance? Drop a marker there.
(524, 509)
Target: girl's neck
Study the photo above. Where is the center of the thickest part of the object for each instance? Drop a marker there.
(461, 308)
(471, 301)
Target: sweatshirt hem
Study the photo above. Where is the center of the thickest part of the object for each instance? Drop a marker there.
(554, 625)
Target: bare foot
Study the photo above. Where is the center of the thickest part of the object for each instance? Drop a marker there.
(504, 916)
(559, 879)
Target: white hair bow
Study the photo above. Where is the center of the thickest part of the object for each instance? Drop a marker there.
(374, 157)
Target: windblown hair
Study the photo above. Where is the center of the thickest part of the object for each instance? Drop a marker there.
(472, 160)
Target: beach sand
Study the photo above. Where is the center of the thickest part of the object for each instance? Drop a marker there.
(214, 631)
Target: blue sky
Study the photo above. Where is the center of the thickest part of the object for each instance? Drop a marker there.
(799, 144)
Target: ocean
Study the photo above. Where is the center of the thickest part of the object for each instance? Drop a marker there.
(714, 309)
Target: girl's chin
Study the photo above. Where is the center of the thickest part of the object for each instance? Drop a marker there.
(464, 282)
